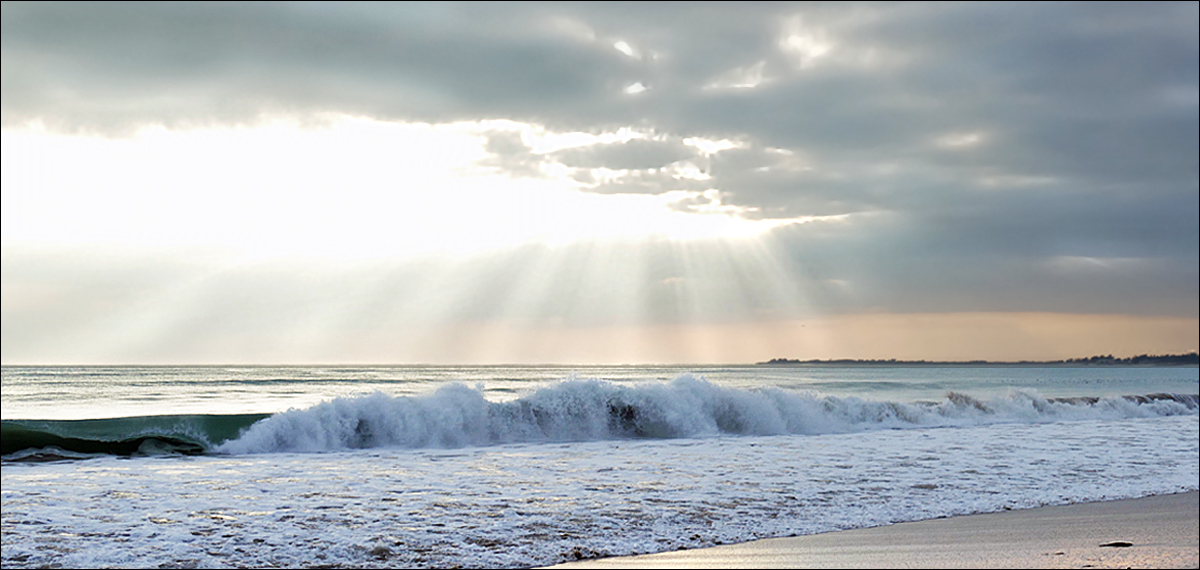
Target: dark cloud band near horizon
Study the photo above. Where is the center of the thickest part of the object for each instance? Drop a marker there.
(976, 156)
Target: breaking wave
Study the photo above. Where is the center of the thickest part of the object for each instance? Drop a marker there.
(573, 410)
(582, 410)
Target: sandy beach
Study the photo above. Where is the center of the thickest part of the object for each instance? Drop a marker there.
(1152, 532)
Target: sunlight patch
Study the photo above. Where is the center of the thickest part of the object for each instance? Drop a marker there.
(747, 77)
(960, 140)
(805, 43)
(342, 188)
(636, 88)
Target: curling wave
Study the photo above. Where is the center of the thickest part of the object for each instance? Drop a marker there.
(48, 440)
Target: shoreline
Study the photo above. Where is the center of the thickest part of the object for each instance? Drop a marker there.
(1158, 531)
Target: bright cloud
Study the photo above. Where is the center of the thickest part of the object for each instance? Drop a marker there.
(345, 189)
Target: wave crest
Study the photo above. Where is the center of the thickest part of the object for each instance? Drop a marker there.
(581, 410)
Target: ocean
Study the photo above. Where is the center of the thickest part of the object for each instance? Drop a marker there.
(528, 466)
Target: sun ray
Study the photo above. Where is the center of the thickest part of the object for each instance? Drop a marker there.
(434, 243)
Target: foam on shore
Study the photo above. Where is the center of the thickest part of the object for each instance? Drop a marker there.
(1151, 532)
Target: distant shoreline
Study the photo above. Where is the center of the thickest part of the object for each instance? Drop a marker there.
(1190, 359)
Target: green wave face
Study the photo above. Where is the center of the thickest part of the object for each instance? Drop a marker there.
(184, 434)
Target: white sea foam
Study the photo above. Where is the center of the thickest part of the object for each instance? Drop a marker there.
(522, 505)
(587, 410)
(530, 470)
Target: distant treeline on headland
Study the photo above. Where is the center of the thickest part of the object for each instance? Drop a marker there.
(1189, 359)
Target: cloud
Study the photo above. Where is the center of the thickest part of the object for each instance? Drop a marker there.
(636, 154)
(972, 148)
(510, 154)
(109, 66)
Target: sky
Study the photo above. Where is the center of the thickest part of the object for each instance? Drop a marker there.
(597, 183)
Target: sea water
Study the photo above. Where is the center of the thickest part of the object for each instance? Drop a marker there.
(527, 466)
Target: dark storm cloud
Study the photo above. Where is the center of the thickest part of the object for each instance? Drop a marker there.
(977, 147)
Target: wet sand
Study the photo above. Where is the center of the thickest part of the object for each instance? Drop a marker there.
(1152, 532)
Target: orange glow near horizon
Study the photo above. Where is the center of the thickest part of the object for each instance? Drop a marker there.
(934, 337)
(942, 337)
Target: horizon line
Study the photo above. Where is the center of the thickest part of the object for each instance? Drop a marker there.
(1100, 359)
